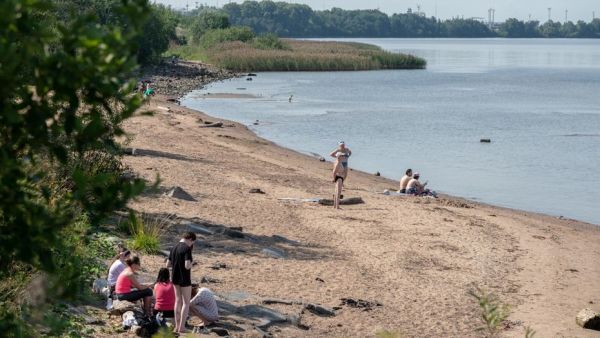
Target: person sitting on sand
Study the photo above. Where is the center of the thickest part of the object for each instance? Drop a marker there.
(127, 281)
(164, 292)
(204, 306)
(404, 180)
(340, 170)
(417, 188)
(116, 268)
(414, 187)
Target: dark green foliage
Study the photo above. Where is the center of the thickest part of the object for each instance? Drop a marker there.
(296, 20)
(513, 28)
(157, 32)
(158, 28)
(206, 21)
(67, 86)
(216, 36)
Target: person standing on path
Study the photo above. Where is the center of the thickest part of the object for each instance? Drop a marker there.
(180, 259)
(340, 170)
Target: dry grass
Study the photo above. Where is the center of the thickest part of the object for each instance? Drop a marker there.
(305, 56)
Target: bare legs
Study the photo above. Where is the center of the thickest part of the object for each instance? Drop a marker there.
(338, 191)
(148, 305)
(182, 306)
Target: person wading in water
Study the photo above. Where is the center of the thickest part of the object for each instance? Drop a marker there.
(340, 170)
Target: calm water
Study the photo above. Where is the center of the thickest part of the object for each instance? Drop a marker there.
(538, 100)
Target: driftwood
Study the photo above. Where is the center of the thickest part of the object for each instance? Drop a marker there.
(345, 201)
(212, 125)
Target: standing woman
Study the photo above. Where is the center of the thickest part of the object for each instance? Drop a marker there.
(340, 170)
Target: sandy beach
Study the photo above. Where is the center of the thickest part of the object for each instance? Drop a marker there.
(416, 257)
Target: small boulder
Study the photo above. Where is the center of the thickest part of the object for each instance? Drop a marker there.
(256, 191)
(209, 280)
(274, 253)
(377, 173)
(179, 193)
(321, 159)
(121, 306)
(485, 140)
(588, 319)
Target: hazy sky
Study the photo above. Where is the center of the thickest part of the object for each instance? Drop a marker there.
(521, 9)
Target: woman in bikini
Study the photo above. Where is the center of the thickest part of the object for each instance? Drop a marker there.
(340, 170)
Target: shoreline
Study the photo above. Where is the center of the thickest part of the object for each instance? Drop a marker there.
(418, 257)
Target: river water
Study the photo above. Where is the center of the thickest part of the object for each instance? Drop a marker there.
(537, 100)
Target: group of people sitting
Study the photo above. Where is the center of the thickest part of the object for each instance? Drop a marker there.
(410, 184)
(170, 295)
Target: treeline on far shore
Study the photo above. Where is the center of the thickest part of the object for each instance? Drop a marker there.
(298, 20)
(207, 35)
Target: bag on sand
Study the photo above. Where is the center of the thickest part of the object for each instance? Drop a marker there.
(148, 327)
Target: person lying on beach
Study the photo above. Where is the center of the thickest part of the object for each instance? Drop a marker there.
(116, 268)
(404, 181)
(127, 281)
(340, 170)
(204, 306)
(417, 188)
(164, 292)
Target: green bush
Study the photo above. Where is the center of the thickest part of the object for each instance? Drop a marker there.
(207, 20)
(269, 41)
(216, 36)
(66, 90)
(146, 232)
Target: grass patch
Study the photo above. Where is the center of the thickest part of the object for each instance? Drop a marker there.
(269, 53)
(146, 232)
(493, 312)
(270, 41)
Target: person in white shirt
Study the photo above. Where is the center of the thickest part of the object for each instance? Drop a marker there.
(117, 267)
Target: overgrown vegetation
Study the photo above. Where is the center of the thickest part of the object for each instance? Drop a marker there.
(146, 232)
(216, 36)
(303, 56)
(67, 88)
(212, 39)
(270, 41)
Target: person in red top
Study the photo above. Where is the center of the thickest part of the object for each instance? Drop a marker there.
(127, 281)
(164, 292)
